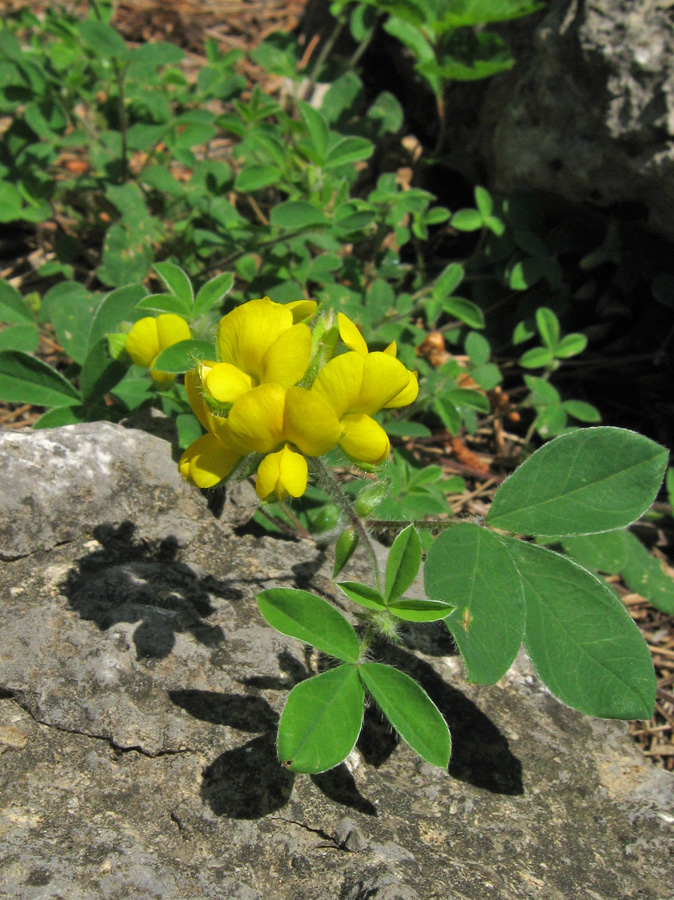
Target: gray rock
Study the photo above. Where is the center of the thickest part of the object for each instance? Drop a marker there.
(588, 112)
(139, 699)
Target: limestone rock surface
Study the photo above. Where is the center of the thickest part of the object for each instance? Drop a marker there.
(139, 699)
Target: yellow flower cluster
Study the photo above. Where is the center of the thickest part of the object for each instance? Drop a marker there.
(149, 336)
(250, 401)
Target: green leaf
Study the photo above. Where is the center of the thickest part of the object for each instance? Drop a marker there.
(175, 281)
(362, 594)
(465, 311)
(411, 610)
(182, 356)
(344, 549)
(25, 379)
(645, 574)
(311, 619)
(548, 326)
(321, 721)
(165, 303)
(99, 372)
(466, 397)
(449, 279)
(467, 220)
(582, 411)
(586, 482)
(487, 376)
(13, 309)
(64, 415)
(127, 253)
(188, 428)
(536, 358)
(468, 567)
(317, 127)
(255, 177)
(20, 337)
(410, 710)
(449, 414)
(484, 202)
(403, 563)
(114, 308)
(295, 214)
(582, 642)
(605, 552)
(571, 345)
(70, 308)
(212, 293)
(348, 150)
(103, 40)
(372, 495)
(478, 348)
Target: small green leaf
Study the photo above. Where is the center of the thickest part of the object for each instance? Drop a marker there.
(64, 415)
(165, 303)
(25, 379)
(411, 610)
(188, 428)
(311, 619)
(20, 337)
(344, 549)
(536, 358)
(467, 220)
(212, 293)
(468, 567)
(449, 279)
(254, 178)
(548, 326)
(114, 308)
(175, 281)
(484, 202)
(478, 348)
(362, 594)
(99, 372)
(348, 150)
(403, 563)
(586, 482)
(296, 214)
(410, 710)
(581, 639)
(69, 306)
(103, 40)
(465, 397)
(645, 574)
(570, 345)
(449, 414)
(465, 311)
(182, 356)
(321, 721)
(582, 411)
(605, 552)
(317, 127)
(13, 309)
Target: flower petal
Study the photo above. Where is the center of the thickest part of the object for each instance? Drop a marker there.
(171, 329)
(283, 473)
(384, 377)
(142, 343)
(286, 361)
(256, 419)
(162, 377)
(310, 422)
(225, 383)
(301, 309)
(364, 440)
(195, 394)
(350, 334)
(339, 382)
(207, 461)
(247, 332)
(392, 349)
(408, 394)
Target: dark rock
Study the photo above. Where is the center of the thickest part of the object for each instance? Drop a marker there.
(140, 692)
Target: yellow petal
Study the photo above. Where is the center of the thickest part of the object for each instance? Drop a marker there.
(286, 361)
(195, 394)
(225, 383)
(384, 377)
(142, 343)
(256, 419)
(207, 461)
(283, 473)
(392, 349)
(408, 394)
(364, 440)
(339, 382)
(162, 377)
(171, 329)
(310, 422)
(246, 333)
(351, 336)
(301, 309)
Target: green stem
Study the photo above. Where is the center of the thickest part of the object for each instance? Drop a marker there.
(334, 490)
(120, 71)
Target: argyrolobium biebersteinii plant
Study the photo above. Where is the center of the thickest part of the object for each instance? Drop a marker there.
(282, 394)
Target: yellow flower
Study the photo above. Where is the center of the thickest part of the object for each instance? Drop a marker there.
(358, 385)
(260, 342)
(150, 336)
(355, 341)
(215, 454)
(272, 420)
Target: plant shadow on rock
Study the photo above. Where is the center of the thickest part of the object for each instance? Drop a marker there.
(248, 782)
(134, 580)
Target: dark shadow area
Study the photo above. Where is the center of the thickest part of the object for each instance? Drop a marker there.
(132, 579)
(481, 755)
(377, 739)
(338, 785)
(236, 710)
(293, 668)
